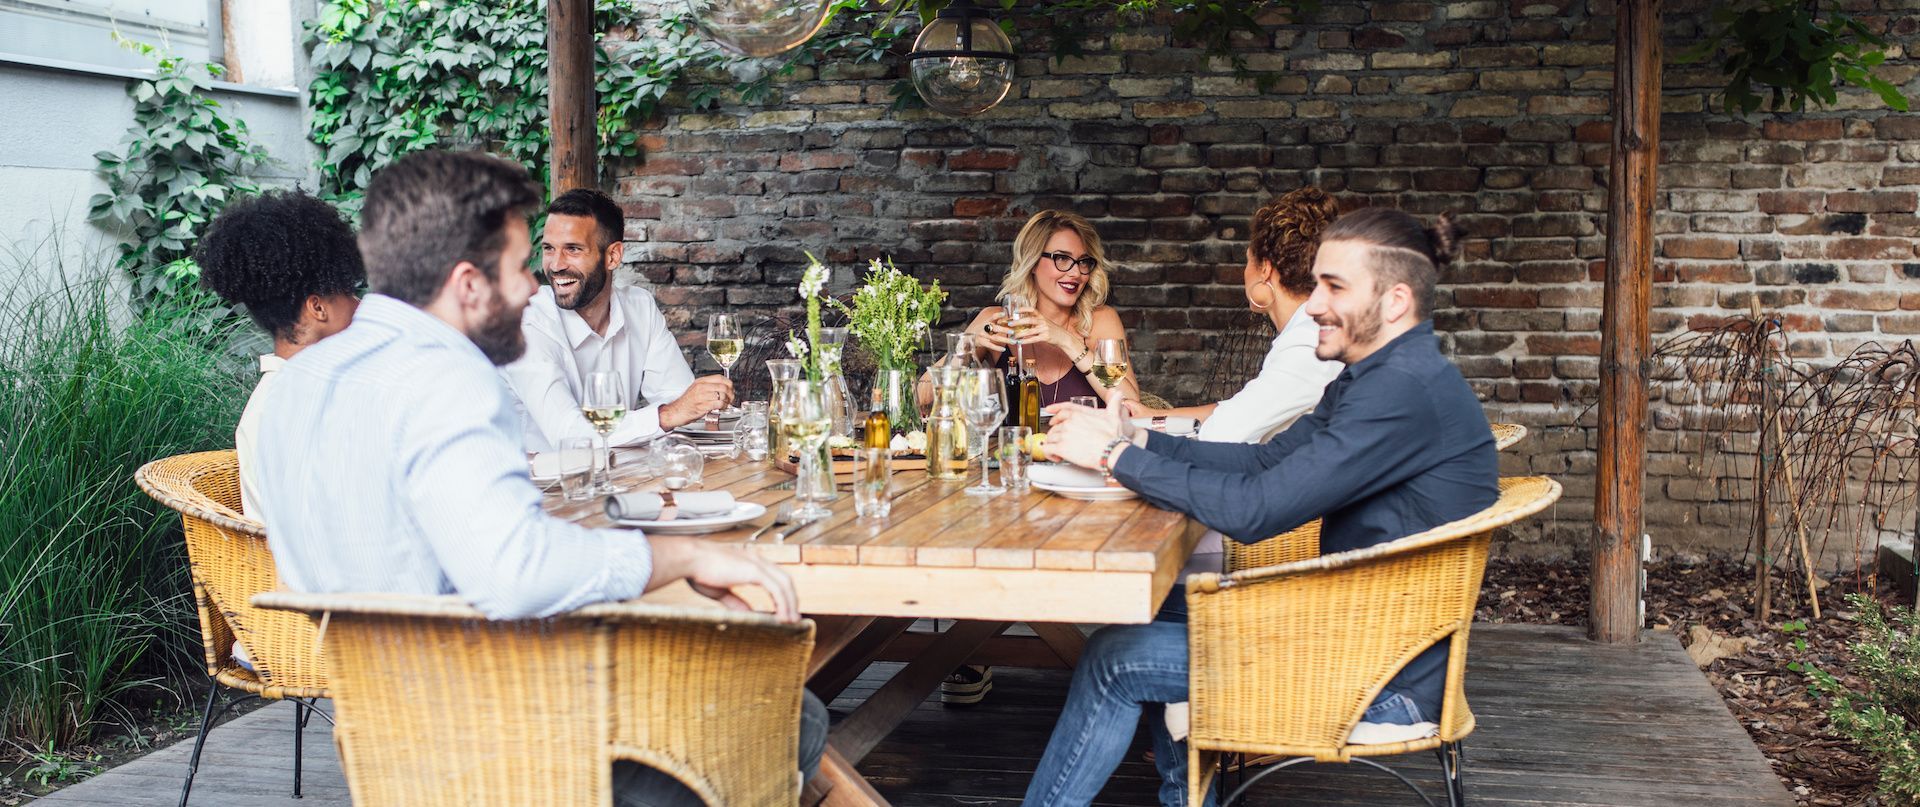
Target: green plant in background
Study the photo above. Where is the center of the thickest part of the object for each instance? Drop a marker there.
(179, 164)
(93, 592)
(891, 315)
(1884, 720)
(1783, 53)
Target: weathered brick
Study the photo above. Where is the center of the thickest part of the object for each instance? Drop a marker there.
(1511, 56)
(1871, 202)
(1508, 80)
(1169, 109)
(1429, 84)
(1485, 106)
(1412, 61)
(1567, 105)
(1576, 55)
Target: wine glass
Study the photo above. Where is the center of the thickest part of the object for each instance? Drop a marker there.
(604, 403)
(725, 344)
(806, 418)
(1110, 363)
(1019, 317)
(963, 349)
(983, 401)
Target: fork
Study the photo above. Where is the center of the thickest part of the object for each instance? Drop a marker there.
(780, 519)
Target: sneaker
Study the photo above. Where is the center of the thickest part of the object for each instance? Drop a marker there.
(965, 686)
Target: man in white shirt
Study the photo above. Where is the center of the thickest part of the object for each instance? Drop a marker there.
(290, 261)
(582, 324)
(390, 454)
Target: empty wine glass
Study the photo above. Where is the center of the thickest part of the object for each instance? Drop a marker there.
(983, 401)
(604, 403)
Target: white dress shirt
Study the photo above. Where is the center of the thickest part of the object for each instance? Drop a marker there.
(389, 461)
(1290, 382)
(243, 434)
(562, 350)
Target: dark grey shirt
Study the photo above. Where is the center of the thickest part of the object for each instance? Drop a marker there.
(1397, 445)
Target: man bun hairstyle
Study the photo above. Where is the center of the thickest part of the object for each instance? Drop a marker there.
(432, 210)
(269, 253)
(591, 203)
(1403, 249)
(1286, 232)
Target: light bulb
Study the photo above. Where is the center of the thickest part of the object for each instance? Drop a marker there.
(759, 28)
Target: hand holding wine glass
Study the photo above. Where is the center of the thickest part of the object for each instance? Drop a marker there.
(1110, 364)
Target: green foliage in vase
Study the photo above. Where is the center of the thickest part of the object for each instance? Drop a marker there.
(181, 161)
(1884, 720)
(1781, 54)
(891, 315)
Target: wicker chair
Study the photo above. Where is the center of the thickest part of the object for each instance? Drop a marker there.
(437, 705)
(1506, 434)
(228, 558)
(1303, 542)
(1285, 659)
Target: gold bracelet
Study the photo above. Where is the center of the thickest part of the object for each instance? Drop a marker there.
(1084, 350)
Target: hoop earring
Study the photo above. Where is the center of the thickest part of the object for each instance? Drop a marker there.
(1262, 306)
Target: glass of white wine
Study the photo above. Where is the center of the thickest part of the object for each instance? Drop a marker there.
(604, 403)
(725, 344)
(806, 418)
(983, 400)
(1110, 362)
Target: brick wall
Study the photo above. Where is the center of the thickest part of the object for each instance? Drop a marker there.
(1493, 111)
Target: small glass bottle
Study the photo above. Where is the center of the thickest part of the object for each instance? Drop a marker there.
(879, 431)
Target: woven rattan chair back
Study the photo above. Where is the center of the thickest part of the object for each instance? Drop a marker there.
(438, 706)
(229, 561)
(1286, 658)
(1303, 542)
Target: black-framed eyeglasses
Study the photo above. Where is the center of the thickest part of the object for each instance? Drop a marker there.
(1065, 262)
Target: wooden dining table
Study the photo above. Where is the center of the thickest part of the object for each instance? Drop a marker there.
(984, 562)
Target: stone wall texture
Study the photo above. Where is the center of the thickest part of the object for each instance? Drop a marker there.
(1493, 111)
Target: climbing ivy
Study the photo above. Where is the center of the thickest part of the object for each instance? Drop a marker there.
(179, 164)
(1783, 53)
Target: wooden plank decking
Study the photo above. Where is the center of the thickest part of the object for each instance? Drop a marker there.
(1562, 722)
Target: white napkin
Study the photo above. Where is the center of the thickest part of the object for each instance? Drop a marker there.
(546, 465)
(666, 507)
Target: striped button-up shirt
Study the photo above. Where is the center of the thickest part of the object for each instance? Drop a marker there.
(389, 460)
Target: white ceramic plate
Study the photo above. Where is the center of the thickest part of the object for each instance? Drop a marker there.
(1076, 483)
(709, 434)
(743, 512)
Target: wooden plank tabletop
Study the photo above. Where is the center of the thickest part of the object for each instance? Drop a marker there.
(944, 553)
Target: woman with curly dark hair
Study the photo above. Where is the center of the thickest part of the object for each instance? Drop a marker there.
(292, 263)
(1278, 279)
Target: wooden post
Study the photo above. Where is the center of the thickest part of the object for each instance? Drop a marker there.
(571, 104)
(1625, 338)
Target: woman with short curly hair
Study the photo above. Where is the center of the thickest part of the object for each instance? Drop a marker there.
(291, 262)
(1278, 279)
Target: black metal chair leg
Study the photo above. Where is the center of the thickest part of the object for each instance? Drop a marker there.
(206, 722)
(1453, 757)
(299, 731)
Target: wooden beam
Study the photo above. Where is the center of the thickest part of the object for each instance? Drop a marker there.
(571, 104)
(1625, 337)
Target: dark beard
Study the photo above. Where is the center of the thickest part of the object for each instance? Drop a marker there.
(499, 336)
(590, 286)
(1363, 331)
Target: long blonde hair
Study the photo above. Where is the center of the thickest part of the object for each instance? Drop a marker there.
(1032, 241)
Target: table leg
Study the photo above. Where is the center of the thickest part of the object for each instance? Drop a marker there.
(877, 717)
(1064, 639)
(839, 785)
(857, 647)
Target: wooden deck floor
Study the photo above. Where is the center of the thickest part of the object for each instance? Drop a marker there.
(1562, 722)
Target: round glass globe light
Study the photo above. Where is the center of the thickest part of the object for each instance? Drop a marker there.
(759, 28)
(956, 84)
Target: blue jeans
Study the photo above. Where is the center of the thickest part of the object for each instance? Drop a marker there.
(1126, 668)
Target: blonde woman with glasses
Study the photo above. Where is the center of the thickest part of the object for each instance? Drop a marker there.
(1053, 304)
